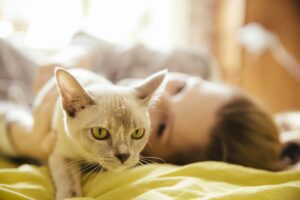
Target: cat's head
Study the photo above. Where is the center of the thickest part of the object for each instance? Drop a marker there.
(108, 124)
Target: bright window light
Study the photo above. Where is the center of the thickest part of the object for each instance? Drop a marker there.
(145, 21)
(51, 23)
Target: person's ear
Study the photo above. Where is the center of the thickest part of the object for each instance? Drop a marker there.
(146, 88)
(74, 97)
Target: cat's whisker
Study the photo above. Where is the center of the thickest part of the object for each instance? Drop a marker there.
(151, 160)
(144, 161)
(93, 169)
(157, 111)
(155, 158)
(73, 163)
(139, 164)
(101, 169)
(98, 169)
(150, 145)
(88, 167)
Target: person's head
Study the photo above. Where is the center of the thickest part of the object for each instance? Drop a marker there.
(197, 120)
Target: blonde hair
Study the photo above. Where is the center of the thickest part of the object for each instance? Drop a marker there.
(245, 134)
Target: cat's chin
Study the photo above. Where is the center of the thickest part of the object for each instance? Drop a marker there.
(117, 169)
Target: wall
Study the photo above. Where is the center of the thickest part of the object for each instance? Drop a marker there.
(264, 77)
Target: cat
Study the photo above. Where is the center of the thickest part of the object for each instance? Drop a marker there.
(97, 122)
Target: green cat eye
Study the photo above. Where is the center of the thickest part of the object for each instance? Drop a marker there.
(100, 133)
(138, 134)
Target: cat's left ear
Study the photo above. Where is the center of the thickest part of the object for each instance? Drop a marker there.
(146, 89)
(74, 97)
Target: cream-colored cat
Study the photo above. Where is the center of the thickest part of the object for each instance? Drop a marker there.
(97, 122)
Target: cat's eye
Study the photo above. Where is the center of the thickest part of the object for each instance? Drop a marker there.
(100, 133)
(138, 134)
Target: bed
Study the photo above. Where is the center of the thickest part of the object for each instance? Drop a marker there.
(203, 180)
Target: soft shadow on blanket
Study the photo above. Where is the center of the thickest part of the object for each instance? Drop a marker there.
(207, 180)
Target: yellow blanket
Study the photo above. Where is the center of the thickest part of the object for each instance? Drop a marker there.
(205, 180)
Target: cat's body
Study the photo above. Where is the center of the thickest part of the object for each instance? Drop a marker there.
(96, 122)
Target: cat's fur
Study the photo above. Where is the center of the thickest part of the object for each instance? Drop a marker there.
(87, 100)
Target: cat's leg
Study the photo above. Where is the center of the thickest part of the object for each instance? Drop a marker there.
(66, 175)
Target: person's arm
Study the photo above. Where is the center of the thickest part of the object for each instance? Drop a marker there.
(289, 126)
(26, 133)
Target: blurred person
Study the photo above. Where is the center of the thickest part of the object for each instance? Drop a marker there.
(194, 120)
(197, 120)
(16, 74)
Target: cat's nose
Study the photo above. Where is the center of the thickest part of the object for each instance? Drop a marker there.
(122, 156)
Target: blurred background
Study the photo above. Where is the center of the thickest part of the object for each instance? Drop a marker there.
(254, 44)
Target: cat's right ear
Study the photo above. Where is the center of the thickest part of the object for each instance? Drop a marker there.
(146, 89)
(74, 97)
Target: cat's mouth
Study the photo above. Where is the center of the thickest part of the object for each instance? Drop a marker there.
(97, 167)
(116, 166)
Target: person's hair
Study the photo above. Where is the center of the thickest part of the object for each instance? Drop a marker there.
(245, 134)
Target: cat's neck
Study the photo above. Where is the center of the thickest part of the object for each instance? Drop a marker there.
(64, 145)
